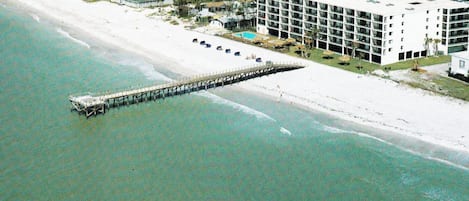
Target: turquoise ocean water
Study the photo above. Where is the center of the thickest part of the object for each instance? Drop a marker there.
(222, 145)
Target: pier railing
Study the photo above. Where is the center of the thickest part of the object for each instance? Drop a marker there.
(97, 103)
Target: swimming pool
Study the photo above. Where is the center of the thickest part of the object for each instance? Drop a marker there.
(246, 35)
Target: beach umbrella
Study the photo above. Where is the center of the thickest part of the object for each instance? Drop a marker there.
(291, 41)
(344, 59)
(327, 53)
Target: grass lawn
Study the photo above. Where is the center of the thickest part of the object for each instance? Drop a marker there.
(427, 61)
(453, 88)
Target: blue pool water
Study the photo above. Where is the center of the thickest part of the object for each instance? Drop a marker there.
(246, 34)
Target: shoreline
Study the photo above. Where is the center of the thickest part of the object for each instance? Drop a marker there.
(365, 111)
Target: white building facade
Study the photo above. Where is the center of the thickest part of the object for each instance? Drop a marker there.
(382, 32)
(459, 66)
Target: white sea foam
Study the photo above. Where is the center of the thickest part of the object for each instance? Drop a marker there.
(3, 5)
(66, 34)
(237, 106)
(146, 68)
(35, 17)
(338, 130)
(285, 131)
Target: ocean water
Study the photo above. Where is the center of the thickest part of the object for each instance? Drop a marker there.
(217, 145)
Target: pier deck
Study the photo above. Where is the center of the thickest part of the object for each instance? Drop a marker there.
(90, 105)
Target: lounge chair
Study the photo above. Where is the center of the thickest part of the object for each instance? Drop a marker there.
(227, 51)
(219, 47)
(202, 42)
(208, 45)
(194, 40)
(237, 53)
(258, 59)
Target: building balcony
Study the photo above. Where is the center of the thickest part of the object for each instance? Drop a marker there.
(298, 2)
(273, 25)
(284, 13)
(261, 2)
(311, 11)
(363, 31)
(377, 34)
(459, 33)
(285, 6)
(364, 15)
(297, 8)
(350, 12)
(336, 17)
(377, 26)
(349, 28)
(349, 20)
(311, 4)
(364, 23)
(376, 50)
(458, 41)
(323, 14)
(377, 42)
(459, 18)
(458, 25)
(349, 36)
(274, 3)
(459, 10)
(335, 40)
(323, 6)
(335, 33)
(377, 18)
(337, 9)
(336, 25)
(323, 22)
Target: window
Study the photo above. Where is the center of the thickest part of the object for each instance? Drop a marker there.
(438, 25)
(402, 15)
(390, 33)
(462, 63)
(389, 50)
(390, 41)
(438, 17)
(426, 27)
(390, 17)
(437, 33)
(402, 39)
(427, 11)
(402, 47)
(390, 25)
(402, 23)
(438, 10)
(426, 19)
(402, 31)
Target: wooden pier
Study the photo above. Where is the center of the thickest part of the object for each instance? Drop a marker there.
(90, 105)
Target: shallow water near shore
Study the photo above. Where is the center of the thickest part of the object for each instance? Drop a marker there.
(218, 145)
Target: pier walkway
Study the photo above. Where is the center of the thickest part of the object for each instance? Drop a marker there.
(95, 104)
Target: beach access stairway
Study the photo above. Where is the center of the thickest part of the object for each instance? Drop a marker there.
(94, 104)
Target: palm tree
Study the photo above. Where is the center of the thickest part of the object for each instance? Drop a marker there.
(427, 42)
(436, 41)
(313, 34)
(355, 45)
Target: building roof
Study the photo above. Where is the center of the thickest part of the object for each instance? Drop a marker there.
(391, 7)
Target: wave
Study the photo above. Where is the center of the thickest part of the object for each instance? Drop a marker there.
(423, 155)
(146, 68)
(35, 17)
(237, 106)
(285, 131)
(67, 35)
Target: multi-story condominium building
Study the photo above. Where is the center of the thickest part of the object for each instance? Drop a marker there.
(380, 31)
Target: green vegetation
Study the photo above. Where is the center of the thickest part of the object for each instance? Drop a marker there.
(453, 88)
(422, 62)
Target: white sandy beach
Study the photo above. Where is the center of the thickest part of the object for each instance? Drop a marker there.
(367, 100)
